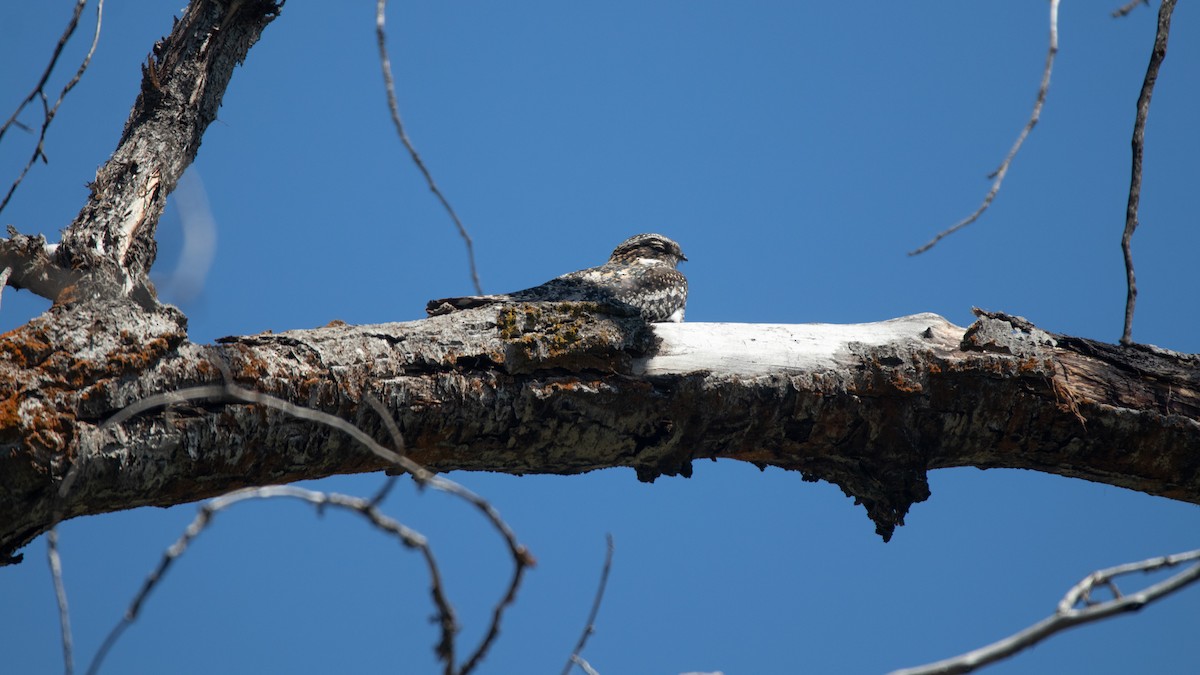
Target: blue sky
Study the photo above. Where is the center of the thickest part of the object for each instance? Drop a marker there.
(796, 151)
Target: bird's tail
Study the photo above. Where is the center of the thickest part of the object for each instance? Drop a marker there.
(447, 305)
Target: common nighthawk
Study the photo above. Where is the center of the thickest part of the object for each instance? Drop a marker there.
(640, 273)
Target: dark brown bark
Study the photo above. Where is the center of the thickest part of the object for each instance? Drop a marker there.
(567, 389)
(520, 389)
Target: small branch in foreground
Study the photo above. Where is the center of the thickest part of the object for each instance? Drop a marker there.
(409, 538)
(521, 557)
(1002, 171)
(60, 588)
(590, 626)
(1157, 54)
(1069, 614)
(60, 595)
(390, 84)
(48, 112)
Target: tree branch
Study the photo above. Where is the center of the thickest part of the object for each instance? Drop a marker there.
(1002, 171)
(1069, 614)
(182, 85)
(1128, 7)
(568, 388)
(409, 538)
(389, 84)
(1157, 54)
(39, 92)
(590, 626)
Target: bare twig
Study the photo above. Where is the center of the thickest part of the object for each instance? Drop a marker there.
(1070, 614)
(390, 83)
(1128, 7)
(521, 557)
(590, 626)
(408, 537)
(1135, 182)
(60, 588)
(60, 594)
(1002, 171)
(48, 112)
(397, 440)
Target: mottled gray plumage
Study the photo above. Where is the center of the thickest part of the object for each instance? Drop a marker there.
(640, 273)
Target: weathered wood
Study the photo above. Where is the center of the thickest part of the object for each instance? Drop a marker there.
(183, 81)
(563, 388)
(570, 388)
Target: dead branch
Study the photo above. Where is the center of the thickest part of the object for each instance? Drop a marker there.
(1069, 613)
(389, 83)
(60, 596)
(870, 407)
(183, 81)
(589, 627)
(407, 537)
(521, 558)
(39, 92)
(1157, 54)
(1002, 171)
(1128, 7)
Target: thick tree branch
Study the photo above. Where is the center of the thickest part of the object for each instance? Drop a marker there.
(183, 81)
(571, 388)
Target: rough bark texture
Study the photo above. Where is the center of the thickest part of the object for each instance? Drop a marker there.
(183, 81)
(552, 388)
(570, 388)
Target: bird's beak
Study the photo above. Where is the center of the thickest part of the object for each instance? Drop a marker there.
(682, 257)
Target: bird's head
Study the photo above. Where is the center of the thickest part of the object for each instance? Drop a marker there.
(648, 247)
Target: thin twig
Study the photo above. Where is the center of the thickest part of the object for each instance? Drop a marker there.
(60, 594)
(1069, 614)
(1135, 182)
(397, 441)
(520, 555)
(590, 626)
(408, 537)
(39, 93)
(1128, 7)
(1002, 171)
(390, 84)
(39, 88)
(56, 575)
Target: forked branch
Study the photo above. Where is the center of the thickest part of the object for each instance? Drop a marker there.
(1076, 608)
(446, 647)
(39, 92)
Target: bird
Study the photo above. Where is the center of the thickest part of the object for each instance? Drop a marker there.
(641, 273)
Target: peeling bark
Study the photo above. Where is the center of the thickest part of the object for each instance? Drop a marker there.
(569, 388)
(183, 81)
(525, 388)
